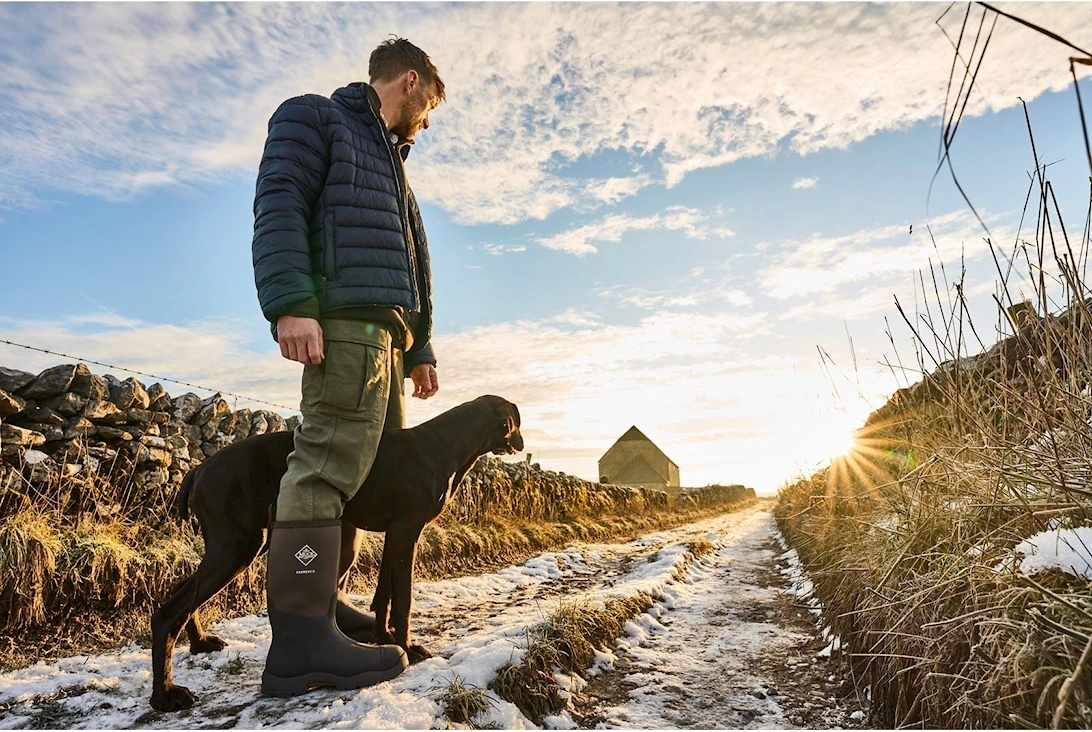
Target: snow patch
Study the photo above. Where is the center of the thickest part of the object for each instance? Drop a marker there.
(834, 645)
(559, 721)
(803, 588)
(1069, 550)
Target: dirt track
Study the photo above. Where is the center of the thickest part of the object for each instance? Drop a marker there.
(724, 646)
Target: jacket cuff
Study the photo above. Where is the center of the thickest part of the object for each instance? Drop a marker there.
(418, 356)
(308, 308)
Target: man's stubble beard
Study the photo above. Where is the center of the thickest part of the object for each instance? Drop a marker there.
(410, 123)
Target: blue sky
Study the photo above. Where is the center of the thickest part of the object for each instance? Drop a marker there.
(638, 214)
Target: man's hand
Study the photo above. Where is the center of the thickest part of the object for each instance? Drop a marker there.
(425, 381)
(300, 339)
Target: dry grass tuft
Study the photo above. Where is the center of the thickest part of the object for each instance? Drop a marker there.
(463, 702)
(566, 642)
(29, 548)
(702, 547)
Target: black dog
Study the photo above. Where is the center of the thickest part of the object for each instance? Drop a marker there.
(415, 472)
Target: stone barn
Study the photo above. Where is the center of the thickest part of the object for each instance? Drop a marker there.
(635, 460)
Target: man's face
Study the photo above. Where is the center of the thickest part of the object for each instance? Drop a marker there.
(414, 114)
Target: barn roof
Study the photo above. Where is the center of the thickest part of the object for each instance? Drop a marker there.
(634, 434)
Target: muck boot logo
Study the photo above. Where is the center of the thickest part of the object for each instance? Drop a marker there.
(306, 555)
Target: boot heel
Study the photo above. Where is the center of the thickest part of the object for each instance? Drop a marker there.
(283, 688)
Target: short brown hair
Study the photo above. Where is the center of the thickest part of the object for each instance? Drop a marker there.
(395, 56)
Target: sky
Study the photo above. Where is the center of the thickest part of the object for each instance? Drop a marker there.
(692, 218)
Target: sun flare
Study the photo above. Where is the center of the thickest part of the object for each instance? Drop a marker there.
(833, 437)
(840, 442)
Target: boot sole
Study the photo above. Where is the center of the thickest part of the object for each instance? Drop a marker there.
(296, 685)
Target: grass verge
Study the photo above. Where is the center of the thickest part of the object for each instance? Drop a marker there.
(68, 591)
(916, 540)
(565, 642)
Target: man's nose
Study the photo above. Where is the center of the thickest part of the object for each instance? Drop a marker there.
(424, 123)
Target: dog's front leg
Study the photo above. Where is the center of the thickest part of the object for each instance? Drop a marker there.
(382, 599)
(402, 543)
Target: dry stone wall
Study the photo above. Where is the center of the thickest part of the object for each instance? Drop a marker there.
(91, 445)
(69, 425)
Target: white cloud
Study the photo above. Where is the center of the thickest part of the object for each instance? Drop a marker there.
(805, 182)
(113, 99)
(613, 190)
(823, 265)
(685, 295)
(611, 228)
(499, 249)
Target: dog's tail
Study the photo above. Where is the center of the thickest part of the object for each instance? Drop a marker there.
(182, 500)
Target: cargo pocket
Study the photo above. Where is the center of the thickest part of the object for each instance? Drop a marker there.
(356, 370)
(344, 373)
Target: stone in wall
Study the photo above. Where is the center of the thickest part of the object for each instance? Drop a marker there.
(10, 404)
(158, 398)
(69, 404)
(129, 394)
(51, 382)
(12, 380)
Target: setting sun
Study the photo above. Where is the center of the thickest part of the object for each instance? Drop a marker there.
(840, 442)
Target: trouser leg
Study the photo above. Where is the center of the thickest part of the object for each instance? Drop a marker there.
(355, 623)
(344, 406)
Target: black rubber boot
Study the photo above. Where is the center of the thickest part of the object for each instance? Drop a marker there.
(308, 650)
(357, 624)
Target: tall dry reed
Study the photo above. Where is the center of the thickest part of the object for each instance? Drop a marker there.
(910, 539)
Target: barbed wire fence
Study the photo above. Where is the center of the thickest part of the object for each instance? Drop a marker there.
(80, 359)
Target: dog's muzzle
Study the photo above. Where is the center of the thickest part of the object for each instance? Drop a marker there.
(513, 443)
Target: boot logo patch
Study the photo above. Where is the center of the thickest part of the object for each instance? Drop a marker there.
(306, 555)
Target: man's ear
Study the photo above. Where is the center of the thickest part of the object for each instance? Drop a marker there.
(412, 80)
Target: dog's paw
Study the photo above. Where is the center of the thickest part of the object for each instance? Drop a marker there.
(172, 699)
(382, 637)
(208, 644)
(417, 654)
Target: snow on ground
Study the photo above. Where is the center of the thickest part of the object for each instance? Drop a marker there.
(698, 645)
(719, 657)
(1069, 550)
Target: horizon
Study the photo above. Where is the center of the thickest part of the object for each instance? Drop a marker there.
(691, 219)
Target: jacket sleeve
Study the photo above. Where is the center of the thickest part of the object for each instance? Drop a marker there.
(418, 356)
(290, 178)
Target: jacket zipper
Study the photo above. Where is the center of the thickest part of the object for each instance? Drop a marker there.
(399, 176)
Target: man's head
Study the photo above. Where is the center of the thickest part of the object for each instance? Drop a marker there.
(409, 86)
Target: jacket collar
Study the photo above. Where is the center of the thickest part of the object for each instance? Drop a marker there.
(361, 98)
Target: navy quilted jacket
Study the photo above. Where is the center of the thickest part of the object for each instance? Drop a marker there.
(335, 224)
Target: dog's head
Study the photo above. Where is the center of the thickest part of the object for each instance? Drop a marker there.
(504, 438)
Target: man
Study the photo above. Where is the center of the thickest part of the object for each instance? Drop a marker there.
(342, 270)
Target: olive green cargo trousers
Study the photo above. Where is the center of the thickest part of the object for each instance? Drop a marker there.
(347, 400)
